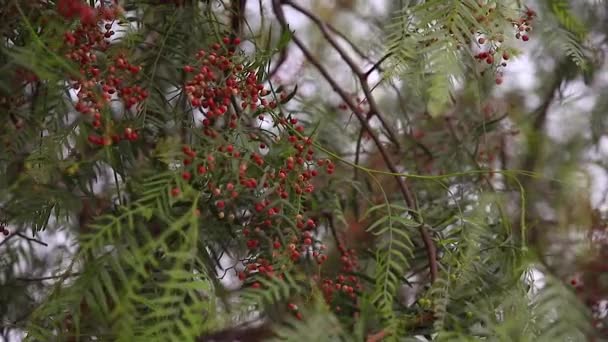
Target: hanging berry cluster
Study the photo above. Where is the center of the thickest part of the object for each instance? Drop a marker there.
(97, 83)
(491, 47)
(255, 181)
(345, 286)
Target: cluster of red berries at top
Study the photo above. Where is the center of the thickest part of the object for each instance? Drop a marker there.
(97, 83)
(76, 9)
(492, 46)
(236, 171)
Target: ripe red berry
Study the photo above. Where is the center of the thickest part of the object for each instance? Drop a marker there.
(525, 38)
(186, 175)
(175, 192)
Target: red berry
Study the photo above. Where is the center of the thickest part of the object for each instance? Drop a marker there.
(175, 192)
(525, 38)
(186, 175)
(87, 15)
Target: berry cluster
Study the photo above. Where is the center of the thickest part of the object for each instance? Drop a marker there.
(491, 46)
(345, 285)
(98, 83)
(523, 25)
(260, 194)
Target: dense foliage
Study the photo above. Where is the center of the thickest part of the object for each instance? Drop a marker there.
(187, 170)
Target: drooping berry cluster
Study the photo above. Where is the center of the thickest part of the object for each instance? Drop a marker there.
(262, 194)
(345, 286)
(491, 46)
(98, 83)
(523, 25)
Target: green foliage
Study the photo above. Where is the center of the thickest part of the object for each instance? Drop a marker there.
(393, 228)
(566, 32)
(205, 226)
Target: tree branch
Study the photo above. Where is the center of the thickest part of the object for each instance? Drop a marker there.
(23, 236)
(361, 75)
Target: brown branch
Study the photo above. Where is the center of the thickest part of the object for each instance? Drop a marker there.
(238, 16)
(347, 40)
(361, 75)
(23, 236)
(377, 337)
(377, 65)
(403, 188)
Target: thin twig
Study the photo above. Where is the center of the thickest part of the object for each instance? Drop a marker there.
(377, 65)
(62, 276)
(347, 40)
(31, 239)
